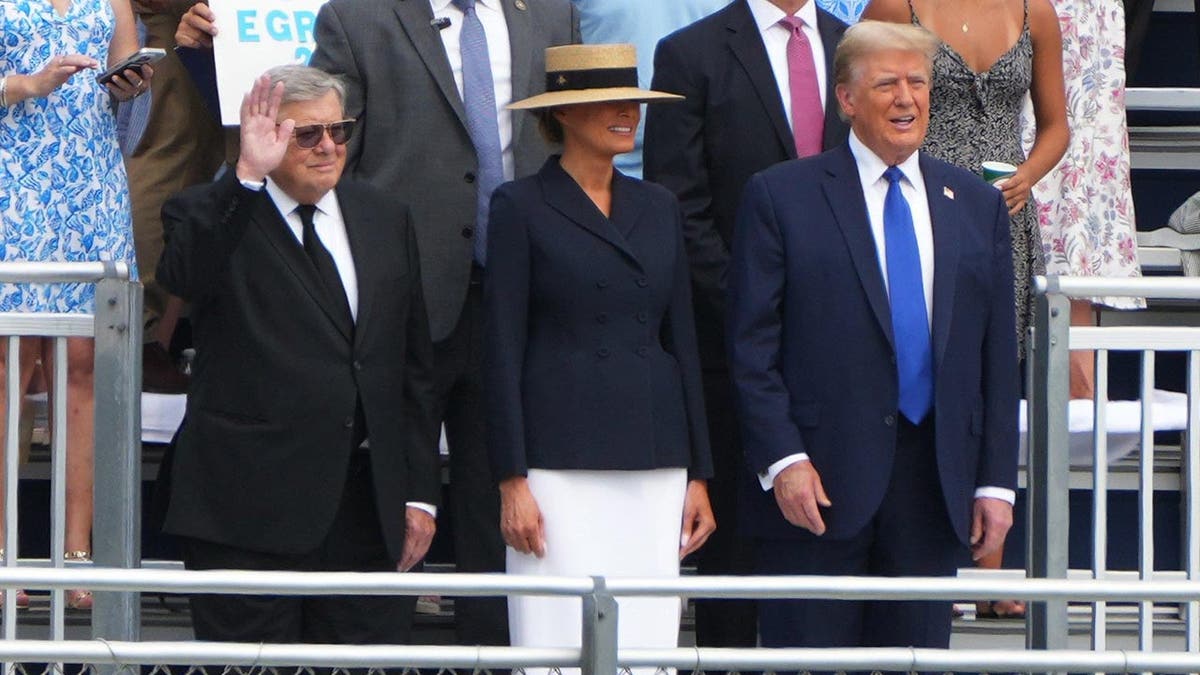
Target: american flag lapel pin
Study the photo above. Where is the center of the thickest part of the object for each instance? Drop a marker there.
(949, 194)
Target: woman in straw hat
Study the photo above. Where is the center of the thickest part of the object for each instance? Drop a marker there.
(596, 423)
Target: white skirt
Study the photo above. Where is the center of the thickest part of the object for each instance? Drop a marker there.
(610, 523)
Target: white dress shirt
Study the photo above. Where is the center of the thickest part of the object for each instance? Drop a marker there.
(331, 230)
(875, 188)
(491, 16)
(775, 38)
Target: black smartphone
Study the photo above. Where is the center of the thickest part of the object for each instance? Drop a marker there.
(142, 57)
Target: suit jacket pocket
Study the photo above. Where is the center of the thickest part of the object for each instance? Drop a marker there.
(806, 414)
(236, 418)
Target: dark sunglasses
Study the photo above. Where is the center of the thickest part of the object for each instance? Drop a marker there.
(309, 135)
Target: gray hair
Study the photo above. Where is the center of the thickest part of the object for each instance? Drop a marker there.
(868, 37)
(305, 83)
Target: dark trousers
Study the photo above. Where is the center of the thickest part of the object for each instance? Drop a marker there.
(474, 497)
(354, 543)
(911, 535)
(725, 623)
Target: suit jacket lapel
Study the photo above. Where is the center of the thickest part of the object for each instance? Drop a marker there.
(844, 193)
(520, 36)
(831, 31)
(364, 251)
(564, 195)
(626, 207)
(945, 218)
(280, 236)
(415, 17)
(747, 46)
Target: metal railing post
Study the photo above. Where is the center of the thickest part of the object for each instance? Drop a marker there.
(1049, 466)
(599, 647)
(118, 455)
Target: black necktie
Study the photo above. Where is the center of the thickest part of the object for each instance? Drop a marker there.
(322, 260)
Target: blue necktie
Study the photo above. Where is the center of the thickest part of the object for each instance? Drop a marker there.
(910, 324)
(479, 100)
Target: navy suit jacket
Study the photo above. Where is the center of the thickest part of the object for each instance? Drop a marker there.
(810, 338)
(590, 352)
(731, 126)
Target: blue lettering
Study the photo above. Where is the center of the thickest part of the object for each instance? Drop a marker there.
(303, 55)
(278, 26)
(304, 26)
(245, 24)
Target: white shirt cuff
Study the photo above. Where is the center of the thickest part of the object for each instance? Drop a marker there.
(1005, 494)
(767, 479)
(427, 508)
(254, 185)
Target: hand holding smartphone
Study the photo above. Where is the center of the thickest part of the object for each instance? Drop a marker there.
(142, 57)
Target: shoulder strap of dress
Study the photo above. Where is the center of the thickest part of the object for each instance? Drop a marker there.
(1024, 22)
(912, 13)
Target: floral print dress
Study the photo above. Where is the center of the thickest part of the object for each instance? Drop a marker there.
(1085, 205)
(63, 191)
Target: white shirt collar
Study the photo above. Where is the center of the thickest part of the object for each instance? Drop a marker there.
(286, 204)
(767, 15)
(872, 167)
(441, 5)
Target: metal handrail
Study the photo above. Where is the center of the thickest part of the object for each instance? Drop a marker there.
(1165, 288)
(61, 272)
(1184, 99)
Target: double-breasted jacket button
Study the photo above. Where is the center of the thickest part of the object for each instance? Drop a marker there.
(641, 317)
(602, 284)
(601, 317)
(348, 423)
(357, 365)
(603, 352)
(469, 176)
(889, 420)
(641, 282)
(468, 232)
(642, 351)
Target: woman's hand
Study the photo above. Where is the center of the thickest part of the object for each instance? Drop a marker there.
(57, 70)
(1016, 189)
(130, 83)
(698, 521)
(520, 519)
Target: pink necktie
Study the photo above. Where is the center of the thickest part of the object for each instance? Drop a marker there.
(808, 115)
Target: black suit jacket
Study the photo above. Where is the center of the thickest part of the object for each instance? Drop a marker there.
(731, 126)
(590, 358)
(261, 460)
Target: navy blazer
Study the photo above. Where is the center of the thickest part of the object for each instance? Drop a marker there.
(810, 339)
(590, 355)
(731, 126)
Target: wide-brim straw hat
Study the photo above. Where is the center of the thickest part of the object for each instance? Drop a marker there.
(591, 74)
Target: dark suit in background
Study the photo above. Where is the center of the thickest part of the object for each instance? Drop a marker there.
(267, 470)
(704, 149)
(413, 142)
(814, 365)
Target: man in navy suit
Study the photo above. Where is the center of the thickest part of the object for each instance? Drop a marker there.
(872, 349)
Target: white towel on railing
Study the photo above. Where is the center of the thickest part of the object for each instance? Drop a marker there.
(1168, 411)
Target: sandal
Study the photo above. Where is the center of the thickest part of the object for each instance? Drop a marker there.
(78, 598)
(22, 596)
(1000, 609)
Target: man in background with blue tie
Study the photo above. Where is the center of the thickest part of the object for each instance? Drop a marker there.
(872, 351)
(428, 81)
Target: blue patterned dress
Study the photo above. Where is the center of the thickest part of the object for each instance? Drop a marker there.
(63, 191)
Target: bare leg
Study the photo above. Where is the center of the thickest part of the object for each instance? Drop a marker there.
(1083, 362)
(80, 411)
(1001, 609)
(29, 353)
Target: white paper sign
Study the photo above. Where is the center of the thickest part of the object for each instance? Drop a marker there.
(255, 35)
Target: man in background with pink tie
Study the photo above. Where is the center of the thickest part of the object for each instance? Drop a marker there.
(756, 77)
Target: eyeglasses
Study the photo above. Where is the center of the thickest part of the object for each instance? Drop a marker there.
(309, 135)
